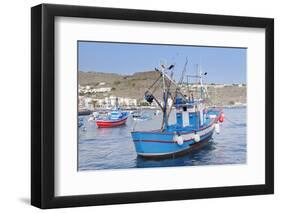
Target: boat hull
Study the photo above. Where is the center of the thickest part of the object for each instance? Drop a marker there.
(110, 123)
(163, 145)
(191, 148)
(84, 112)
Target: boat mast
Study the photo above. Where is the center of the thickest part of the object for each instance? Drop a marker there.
(167, 82)
(198, 76)
(201, 82)
(165, 99)
(149, 94)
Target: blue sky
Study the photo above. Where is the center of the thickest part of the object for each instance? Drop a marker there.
(223, 65)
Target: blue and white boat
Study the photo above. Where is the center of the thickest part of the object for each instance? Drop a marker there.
(116, 117)
(194, 127)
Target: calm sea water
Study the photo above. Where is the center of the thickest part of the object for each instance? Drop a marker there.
(112, 148)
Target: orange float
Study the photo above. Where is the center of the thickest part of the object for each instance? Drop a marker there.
(221, 118)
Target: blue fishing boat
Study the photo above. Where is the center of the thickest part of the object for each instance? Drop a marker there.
(194, 126)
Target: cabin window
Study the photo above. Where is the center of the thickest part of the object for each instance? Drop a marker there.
(184, 108)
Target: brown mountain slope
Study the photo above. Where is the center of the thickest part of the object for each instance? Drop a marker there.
(135, 85)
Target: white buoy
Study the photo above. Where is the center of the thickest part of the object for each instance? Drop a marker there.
(217, 128)
(178, 139)
(196, 137)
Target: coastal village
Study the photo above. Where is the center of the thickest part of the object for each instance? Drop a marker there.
(101, 96)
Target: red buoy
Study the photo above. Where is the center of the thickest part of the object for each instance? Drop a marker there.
(221, 118)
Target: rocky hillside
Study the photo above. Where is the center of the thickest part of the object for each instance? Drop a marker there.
(134, 86)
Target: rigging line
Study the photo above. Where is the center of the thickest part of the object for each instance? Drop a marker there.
(166, 96)
(233, 122)
(177, 88)
(173, 99)
(168, 91)
(171, 107)
(154, 82)
(164, 119)
(226, 118)
(156, 87)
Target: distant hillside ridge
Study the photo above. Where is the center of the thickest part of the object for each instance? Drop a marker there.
(132, 86)
(135, 85)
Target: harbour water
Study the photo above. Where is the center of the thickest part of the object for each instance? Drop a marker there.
(113, 148)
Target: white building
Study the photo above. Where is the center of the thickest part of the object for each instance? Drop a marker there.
(102, 89)
(88, 102)
(85, 102)
(89, 89)
(127, 101)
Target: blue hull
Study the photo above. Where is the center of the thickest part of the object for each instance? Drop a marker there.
(163, 144)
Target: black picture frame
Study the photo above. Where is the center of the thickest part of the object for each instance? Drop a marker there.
(43, 110)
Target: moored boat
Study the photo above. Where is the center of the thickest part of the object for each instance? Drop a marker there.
(139, 116)
(177, 139)
(194, 127)
(84, 112)
(114, 118)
